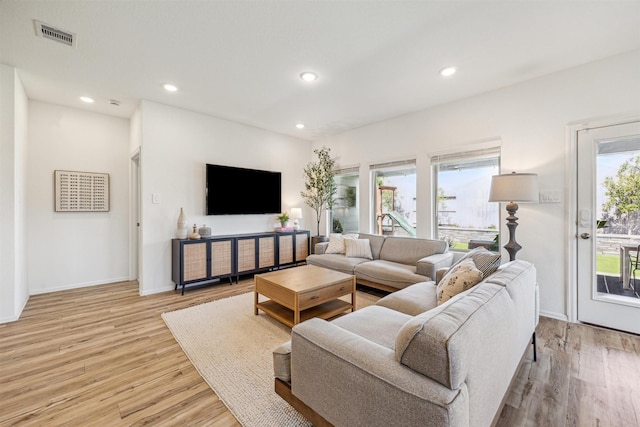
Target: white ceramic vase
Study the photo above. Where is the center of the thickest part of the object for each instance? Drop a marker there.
(181, 230)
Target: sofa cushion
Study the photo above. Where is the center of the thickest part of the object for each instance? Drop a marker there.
(375, 323)
(387, 273)
(336, 243)
(408, 250)
(358, 248)
(335, 262)
(376, 241)
(459, 278)
(412, 300)
(439, 343)
(485, 261)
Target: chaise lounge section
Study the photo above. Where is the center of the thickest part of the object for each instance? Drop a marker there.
(449, 365)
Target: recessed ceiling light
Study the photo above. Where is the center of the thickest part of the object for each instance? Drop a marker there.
(86, 99)
(449, 71)
(300, 126)
(170, 88)
(308, 76)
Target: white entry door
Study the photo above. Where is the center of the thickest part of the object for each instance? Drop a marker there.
(608, 189)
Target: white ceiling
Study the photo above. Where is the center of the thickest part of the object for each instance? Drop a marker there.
(240, 60)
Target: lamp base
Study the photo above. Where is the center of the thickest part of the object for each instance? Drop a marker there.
(512, 247)
(296, 226)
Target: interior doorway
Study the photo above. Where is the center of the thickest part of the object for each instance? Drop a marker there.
(134, 217)
(608, 225)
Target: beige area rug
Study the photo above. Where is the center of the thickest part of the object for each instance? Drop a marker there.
(232, 350)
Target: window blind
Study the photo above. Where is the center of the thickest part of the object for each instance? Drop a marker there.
(347, 170)
(465, 156)
(395, 164)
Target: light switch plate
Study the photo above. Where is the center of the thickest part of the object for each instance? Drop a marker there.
(155, 198)
(551, 196)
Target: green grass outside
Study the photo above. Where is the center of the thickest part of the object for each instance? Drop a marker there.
(608, 264)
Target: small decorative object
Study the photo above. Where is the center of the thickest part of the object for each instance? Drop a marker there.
(283, 218)
(181, 230)
(194, 235)
(204, 231)
(296, 214)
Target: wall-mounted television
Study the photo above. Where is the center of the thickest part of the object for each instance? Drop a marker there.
(240, 191)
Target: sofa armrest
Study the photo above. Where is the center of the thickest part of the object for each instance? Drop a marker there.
(350, 380)
(320, 248)
(428, 266)
(440, 274)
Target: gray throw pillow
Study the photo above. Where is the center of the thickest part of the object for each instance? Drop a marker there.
(486, 261)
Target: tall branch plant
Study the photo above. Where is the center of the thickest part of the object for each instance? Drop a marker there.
(320, 186)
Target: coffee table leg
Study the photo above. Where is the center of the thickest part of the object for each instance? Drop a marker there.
(255, 302)
(353, 296)
(296, 310)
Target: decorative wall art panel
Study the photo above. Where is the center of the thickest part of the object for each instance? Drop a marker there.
(81, 191)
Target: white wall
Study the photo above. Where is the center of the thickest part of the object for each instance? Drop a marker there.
(176, 146)
(13, 145)
(74, 249)
(531, 120)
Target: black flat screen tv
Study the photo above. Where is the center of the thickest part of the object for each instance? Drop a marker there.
(239, 191)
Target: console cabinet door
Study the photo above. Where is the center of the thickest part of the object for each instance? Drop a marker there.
(302, 246)
(266, 252)
(285, 249)
(246, 255)
(221, 258)
(194, 261)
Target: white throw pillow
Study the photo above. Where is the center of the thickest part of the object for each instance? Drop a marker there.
(358, 248)
(336, 243)
(459, 278)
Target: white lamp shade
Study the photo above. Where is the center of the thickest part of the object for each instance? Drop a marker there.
(514, 187)
(296, 213)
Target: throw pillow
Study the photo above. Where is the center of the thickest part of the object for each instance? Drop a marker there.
(485, 260)
(336, 243)
(459, 278)
(358, 248)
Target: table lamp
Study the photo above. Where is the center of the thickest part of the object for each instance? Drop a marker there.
(514, 188)
(296, 214)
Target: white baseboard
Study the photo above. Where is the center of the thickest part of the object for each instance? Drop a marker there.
(557, 316)
(156, 291)
(17, 315)
(9, 319)
(79, 285)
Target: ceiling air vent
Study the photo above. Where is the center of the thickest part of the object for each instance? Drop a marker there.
(52, 33)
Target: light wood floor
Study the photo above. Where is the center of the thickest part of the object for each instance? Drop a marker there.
(103, 356)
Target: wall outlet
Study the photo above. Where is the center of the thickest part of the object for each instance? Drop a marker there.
(551, 196)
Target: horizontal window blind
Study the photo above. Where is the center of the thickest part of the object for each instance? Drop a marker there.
(390, 165)
(466, 156)
(347, 170)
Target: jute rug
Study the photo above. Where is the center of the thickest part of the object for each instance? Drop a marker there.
(232, 350)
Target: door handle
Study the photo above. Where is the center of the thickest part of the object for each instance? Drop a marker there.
(585, 235)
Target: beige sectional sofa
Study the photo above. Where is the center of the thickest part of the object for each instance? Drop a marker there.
(396, 263)
(407, 361)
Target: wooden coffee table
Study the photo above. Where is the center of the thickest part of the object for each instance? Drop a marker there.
(300, 293)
